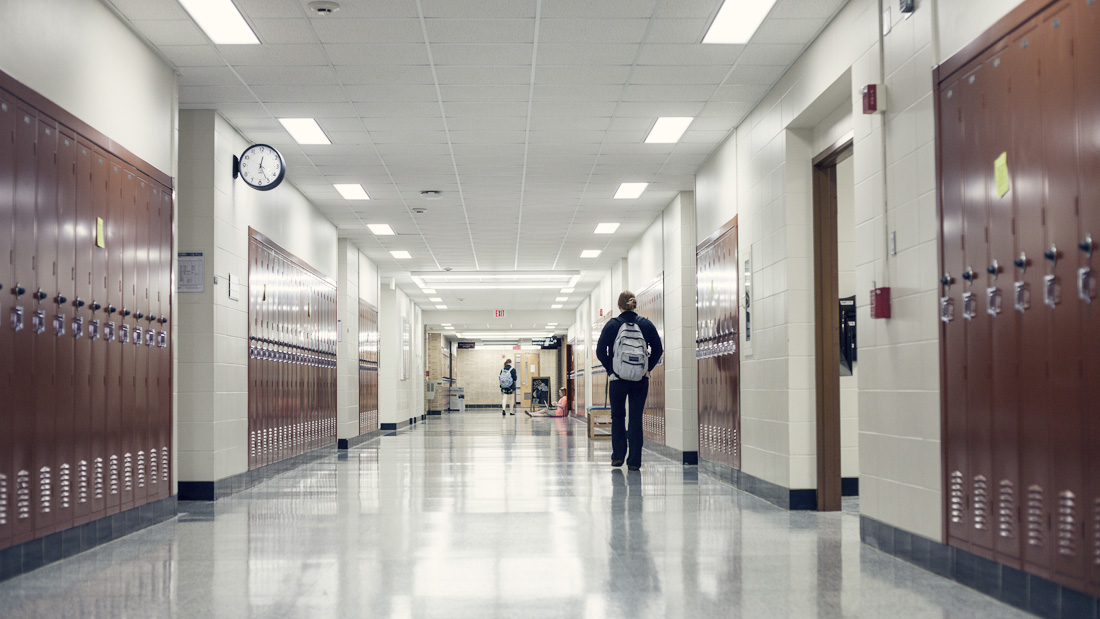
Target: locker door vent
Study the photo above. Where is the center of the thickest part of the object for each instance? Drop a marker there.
(45, 489)
(127, 471)
(981, 502)
(252, 444)
(1096, 532)
(141, 469)
(65, 483)
(1006, 513)
(153, 466)
(1067, 524)
(3, 499)
(1035, 516)
(23, 495)
(99, 479)
(82, 481)
(164, 469)
(113, 474)
(958, 503)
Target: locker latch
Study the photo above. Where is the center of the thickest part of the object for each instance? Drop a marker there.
(994, 301)
(947, 309)
(947, 280)
(994, 269)
(124, 334)
(1052, 292)
(78, 327)
(38, 322)
(150, 338)
(1052, 255)
(93, 330)
(162, 339)
(970, 306)
(1086, 245)
(1023, 296)
(109, 332)
(1022, 262)
(137, 335)
(1086, 284)
(17, 318)
(59, 324)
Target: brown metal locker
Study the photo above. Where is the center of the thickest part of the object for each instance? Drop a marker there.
(65, 309)
(115, 333)
(23, 341)
(102, 378)
(7, 301)
(1087, 53)
(149, 469)
(128, 411)
(651, 305)
(139, 254)
(84, 240)
(952, 325)
(46, 327)
(1059, 110)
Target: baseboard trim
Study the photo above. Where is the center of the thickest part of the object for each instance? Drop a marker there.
(849, 486)
(434, 413)
(22, 558)
(687, 458)
(219, 489)
(355, 441)
(1025, 591)
(787, 498)
(394, 427)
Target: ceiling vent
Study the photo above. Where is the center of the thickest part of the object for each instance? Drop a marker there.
(431, 194)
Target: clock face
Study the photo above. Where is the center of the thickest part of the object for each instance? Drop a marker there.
(262, 167)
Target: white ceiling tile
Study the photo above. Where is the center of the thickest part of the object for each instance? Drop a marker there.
(481, 55)
(273, 54)
(677, 93)
(476, 75)
(300, 93)
(515, 92)
(654, 109)
(283, 31)
(485, 109)
(172, 32)
(192, 55)
(357, 30)
(683, 74)
(478, 8)
(473, 31)
(255, 9)
(604, 8)
(397, 109)
(375, 9)
(594, 74)
(740, 92)
(396, 74)
(688, 31)
(137, 10)
(756, 74)
(215, 94)
(788, 31)
(489, 123)
(391, 92)
(311, 109)
(268, 75)
(765, 54)
(208, 76)
(572, 108)
(805, 9)
(573, 31)
(377, 54)
(697, 54)
(590, 54)
(585, 92)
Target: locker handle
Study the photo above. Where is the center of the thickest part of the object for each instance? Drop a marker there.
(40, 295)
(152, 318)
(18, 291)
(1022, 262)
(125, 312)
(994, 269)
(1052, 254)
(968, 274)
(139, 315)
(111, 309)
(61, 300)
(163, 320)
(1086, 245)
(78, 302)
(96, 306)
(947, 280)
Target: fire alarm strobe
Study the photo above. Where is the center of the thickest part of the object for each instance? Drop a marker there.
(880, 302)
(874, 100)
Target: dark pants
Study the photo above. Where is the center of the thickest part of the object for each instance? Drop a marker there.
(619, 391)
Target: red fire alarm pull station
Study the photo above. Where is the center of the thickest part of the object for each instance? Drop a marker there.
(872, 103)
(880, 303)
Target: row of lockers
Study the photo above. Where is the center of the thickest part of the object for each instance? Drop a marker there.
(368, 367)
(651, 305)
(580, 401)
(717, 357)
(292, 355)
(1019, 162)
(85, 301)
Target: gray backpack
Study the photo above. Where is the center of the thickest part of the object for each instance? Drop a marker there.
(630, 360)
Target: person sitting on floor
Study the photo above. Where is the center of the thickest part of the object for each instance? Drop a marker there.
(560, 409)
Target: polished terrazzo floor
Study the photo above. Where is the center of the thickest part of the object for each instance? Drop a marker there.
(481, 516)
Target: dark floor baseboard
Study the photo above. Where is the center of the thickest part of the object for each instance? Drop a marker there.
(348, 443)
(687, 458)
(394, 427)
(214, 490)
(23, 558)
(849, 486)
(787, 498)
(1013, 587)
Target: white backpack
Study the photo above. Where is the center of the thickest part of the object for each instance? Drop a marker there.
(506, 378)
(630, 360)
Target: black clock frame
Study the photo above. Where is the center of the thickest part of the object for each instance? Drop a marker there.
(278, 179)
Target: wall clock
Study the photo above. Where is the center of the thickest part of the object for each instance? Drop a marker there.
(260, 166)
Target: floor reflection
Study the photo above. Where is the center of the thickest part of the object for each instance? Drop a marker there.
(475, 515)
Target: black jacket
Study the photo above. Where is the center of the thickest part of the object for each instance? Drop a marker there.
(515, 378)
(611, 329)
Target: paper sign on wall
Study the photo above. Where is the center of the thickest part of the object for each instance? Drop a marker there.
(192, 271)
(1000, 172)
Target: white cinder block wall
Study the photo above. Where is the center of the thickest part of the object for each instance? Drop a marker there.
(214, 214)
(681, 378)
(400, 398)
(347, 355)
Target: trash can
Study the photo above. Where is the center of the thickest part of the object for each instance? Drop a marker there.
(461, 399)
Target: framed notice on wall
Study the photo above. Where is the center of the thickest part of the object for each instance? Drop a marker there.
(406, 348)
(192, 272)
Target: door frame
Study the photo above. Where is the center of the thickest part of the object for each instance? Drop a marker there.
(826, 317)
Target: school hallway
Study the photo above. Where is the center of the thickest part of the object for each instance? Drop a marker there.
(481, 516)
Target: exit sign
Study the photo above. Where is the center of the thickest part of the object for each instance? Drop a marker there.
(498, 313)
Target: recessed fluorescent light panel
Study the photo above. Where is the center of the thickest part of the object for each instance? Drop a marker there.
(444, 324)
(440, 307)
(449, 328)
(562, 299)
(590, 253)
(428, 290)
(629, 191)
(668, 129)
(566, 290)
(305, 131)
(381, 229)
(221, 21)
(400, 254)
(737, 21)
(353, 191)
(606, 228)
(555, 307)
(436, 300)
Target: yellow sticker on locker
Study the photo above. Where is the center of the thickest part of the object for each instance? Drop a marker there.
(100, 238)
(1000, 172)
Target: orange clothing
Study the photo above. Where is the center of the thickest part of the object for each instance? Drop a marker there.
(560, 410)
